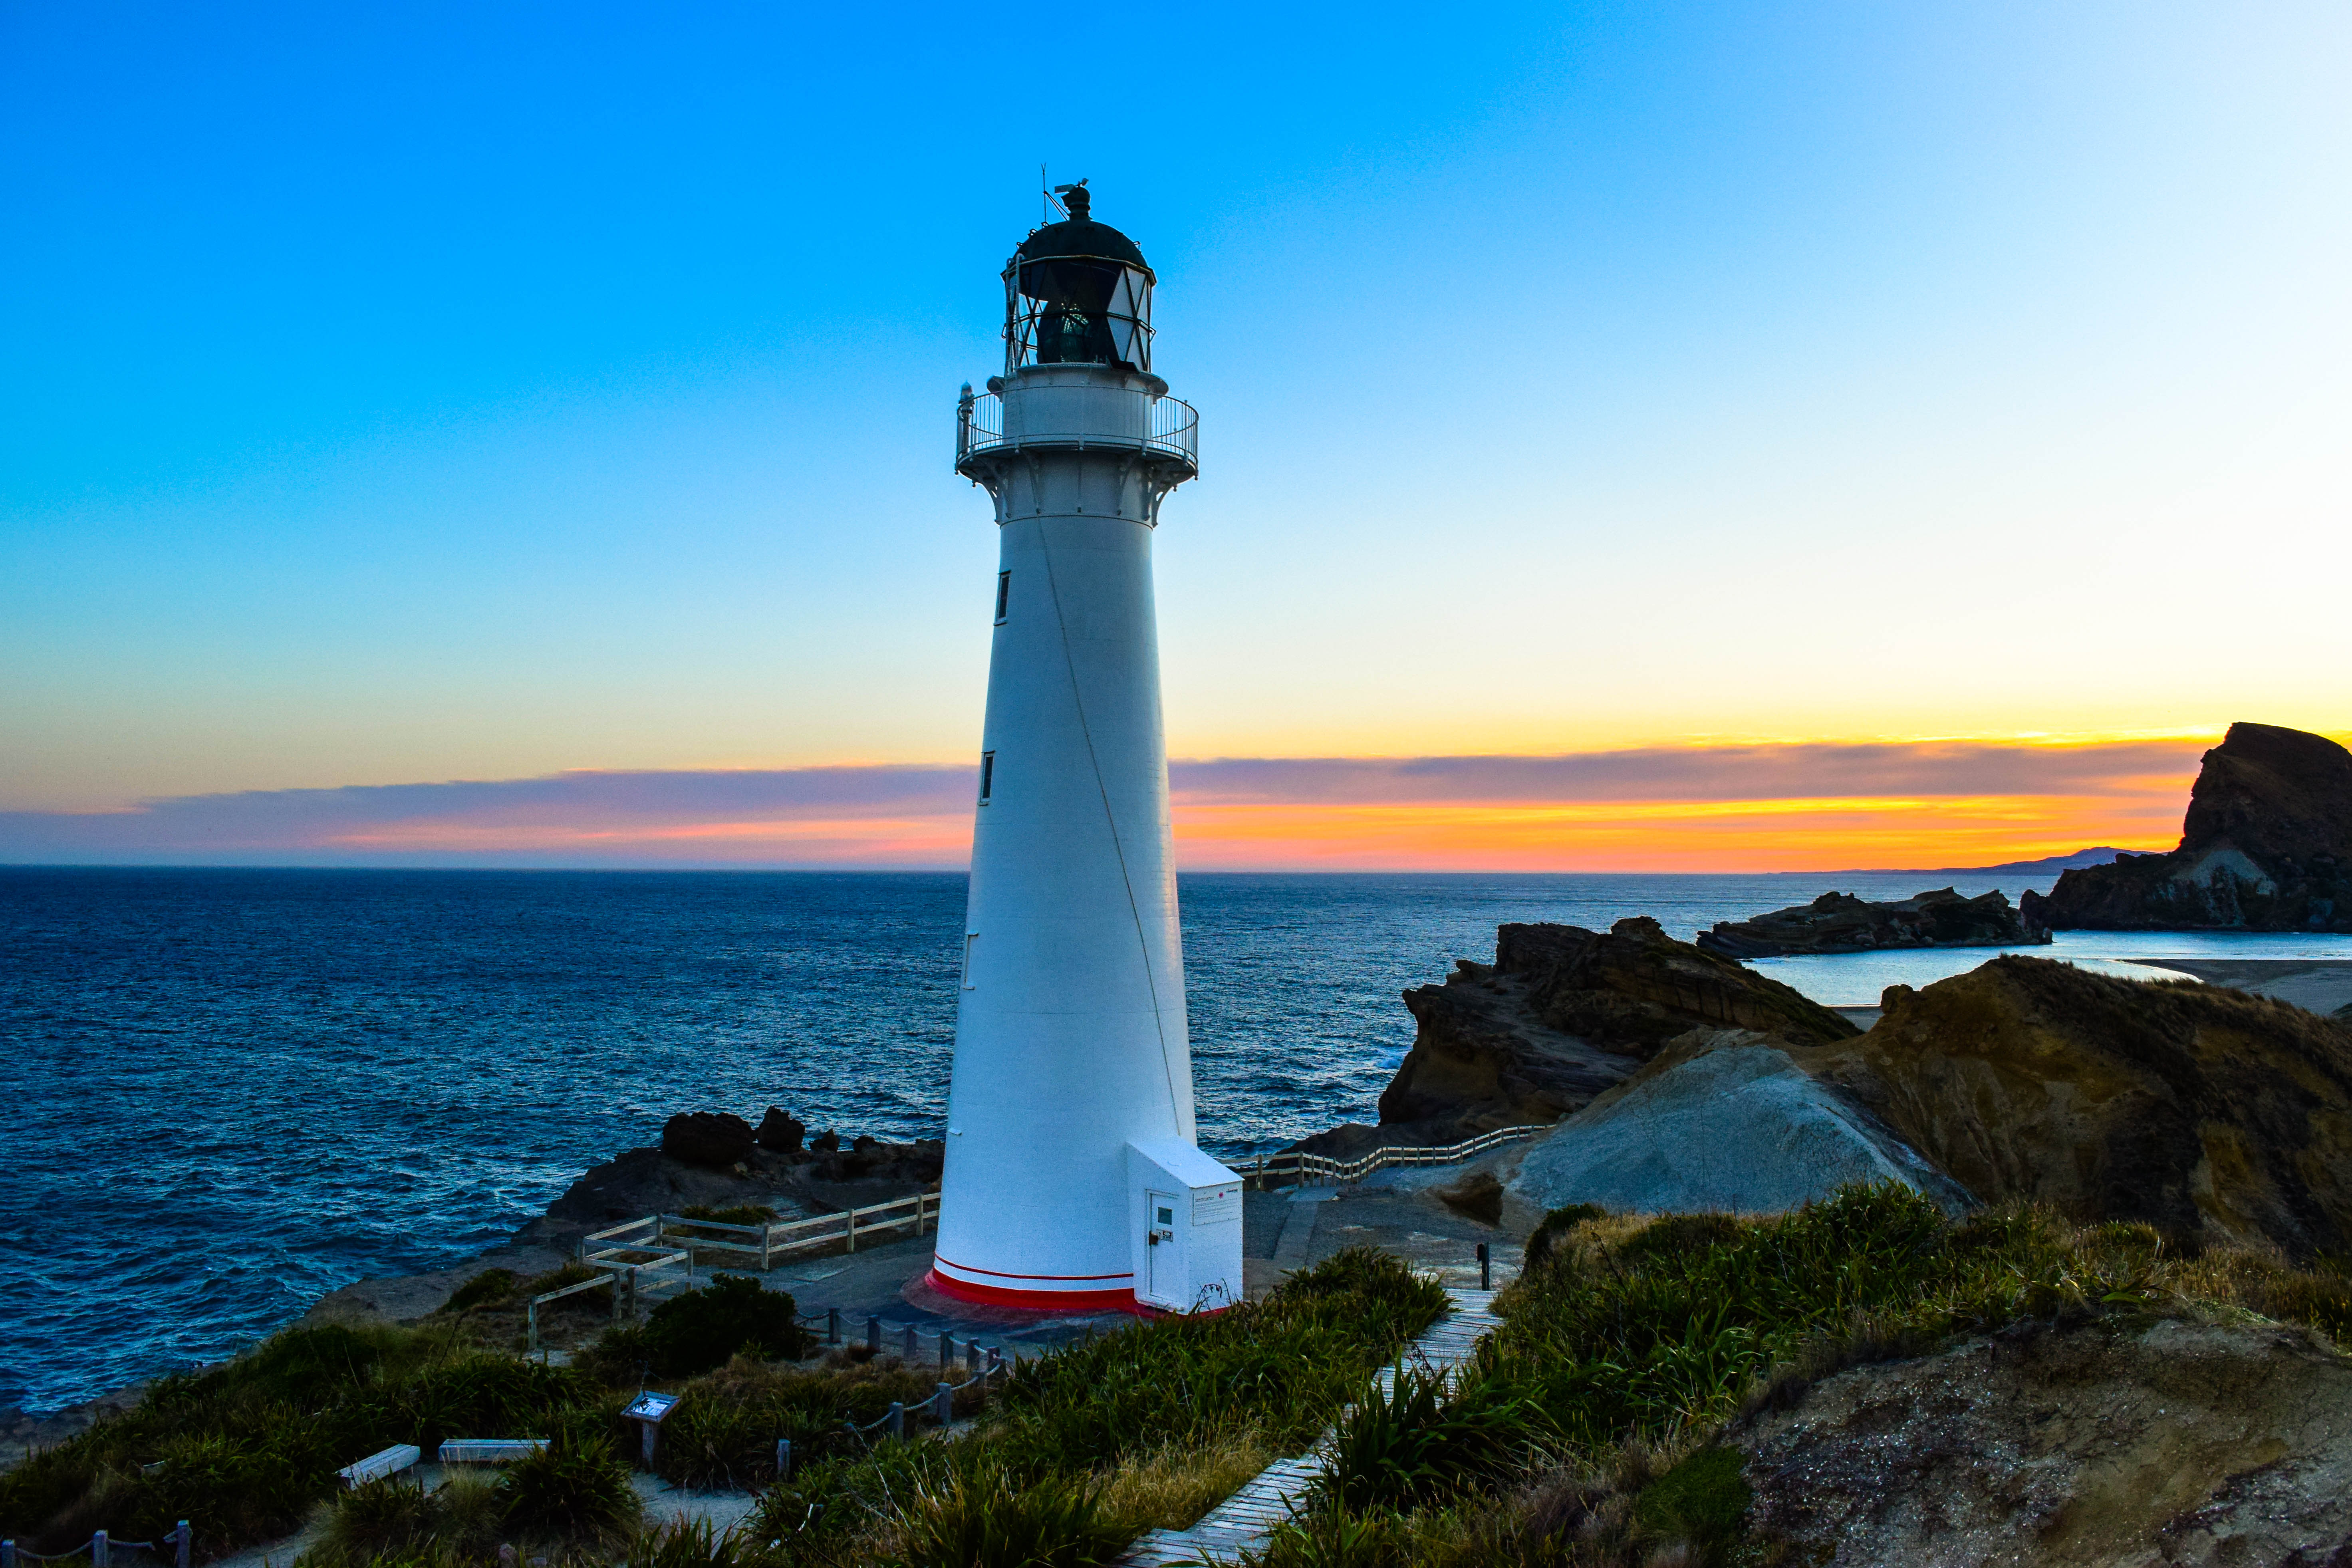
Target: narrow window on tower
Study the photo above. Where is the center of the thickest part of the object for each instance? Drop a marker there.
(1003, 595)
(987, 774)
(971, 941)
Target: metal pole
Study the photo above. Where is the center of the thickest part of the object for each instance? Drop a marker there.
(897, 1419)
(784, 1458)
(873, 1333)
(1485, 1268)
(943, 1405)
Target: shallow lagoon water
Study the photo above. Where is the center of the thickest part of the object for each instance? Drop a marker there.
(230, 1091)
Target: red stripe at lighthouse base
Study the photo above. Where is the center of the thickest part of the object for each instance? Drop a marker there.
(1038, 1301)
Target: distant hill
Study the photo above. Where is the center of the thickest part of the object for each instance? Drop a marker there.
(2102, 856)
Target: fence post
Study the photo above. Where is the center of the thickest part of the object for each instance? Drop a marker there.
(530, 1316)
(1485, 1268)
(852, 1230)
(784, 1458)
(7, 1555)
(102, 1551)
(943, 1405)
(833, 1325)
(766, 1227)
(897, 1419)
(182, 1533)
(906, 1352)
(947, 1349)
(971, 1355)
(873, 1333)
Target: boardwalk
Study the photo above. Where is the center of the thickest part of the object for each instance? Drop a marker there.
(1243, 1520)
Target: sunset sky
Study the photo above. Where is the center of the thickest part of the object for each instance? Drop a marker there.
(1663, 438)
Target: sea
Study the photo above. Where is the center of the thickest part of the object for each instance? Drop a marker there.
(229, 1091)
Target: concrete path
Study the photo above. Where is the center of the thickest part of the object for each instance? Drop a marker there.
(1243, 1522)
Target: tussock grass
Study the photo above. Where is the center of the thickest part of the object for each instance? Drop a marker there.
(1084, 1449)
(1630, 1340)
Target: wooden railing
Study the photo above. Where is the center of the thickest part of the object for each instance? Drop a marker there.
(1302, 1167)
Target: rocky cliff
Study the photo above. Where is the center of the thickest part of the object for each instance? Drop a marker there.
(2208, 1113)
(1841, 922)
(2266, 846)
(1561, 1015)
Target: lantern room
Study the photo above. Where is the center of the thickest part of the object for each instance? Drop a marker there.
(1077, 292)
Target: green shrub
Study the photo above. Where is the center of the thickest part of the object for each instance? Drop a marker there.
(382, 1517)
(1421, 1443)
(1704, 1500)
(1555, 1225)
(569, 1490)
(982, 1520)
(488, 1288)
(703, 1329)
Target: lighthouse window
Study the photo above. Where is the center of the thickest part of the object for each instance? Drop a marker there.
(1003, 593)
(987, 774)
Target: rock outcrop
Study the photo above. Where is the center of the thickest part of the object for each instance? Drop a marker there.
(2081, 1447)
(1721, 1120)
(716, 1140)
(2205, 1113)
(1563, 1014)
(1841, 923)
(2266, 846)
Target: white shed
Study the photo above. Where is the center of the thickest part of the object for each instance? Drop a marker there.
(1186, 1214)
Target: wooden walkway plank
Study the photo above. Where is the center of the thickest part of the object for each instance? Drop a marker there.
(1244, 1520)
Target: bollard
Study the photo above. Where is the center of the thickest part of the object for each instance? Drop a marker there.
(873, 1333)
(784, 1458)
(897, 1419)
(102, 1551)
(833, 1325)
(907, 1353)
(182, 1533)
(1485, 1268)
(947, 1350)
(943, 1405)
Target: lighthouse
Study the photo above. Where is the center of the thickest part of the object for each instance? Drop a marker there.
(1073, 1181)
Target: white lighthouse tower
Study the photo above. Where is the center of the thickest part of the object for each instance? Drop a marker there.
(1073, 1181)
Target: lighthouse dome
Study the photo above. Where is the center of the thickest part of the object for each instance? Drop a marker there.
(1077, 292)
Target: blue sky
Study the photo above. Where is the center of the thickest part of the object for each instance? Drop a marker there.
(397, 395)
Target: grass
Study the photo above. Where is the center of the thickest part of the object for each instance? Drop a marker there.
(1630, 1341)
(1148, 1427)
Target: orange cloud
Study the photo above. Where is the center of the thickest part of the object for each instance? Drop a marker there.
(1799, 807)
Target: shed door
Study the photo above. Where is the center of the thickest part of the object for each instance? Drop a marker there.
(1160, 1239)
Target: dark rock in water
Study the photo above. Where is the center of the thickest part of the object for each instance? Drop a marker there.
(2210, 1114)
(715, 1141)
(1561, 1015)
(2266, 846)
(826, 1142)
(782, 1131)
(1841, 922)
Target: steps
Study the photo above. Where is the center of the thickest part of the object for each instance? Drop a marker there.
(1243, 1520)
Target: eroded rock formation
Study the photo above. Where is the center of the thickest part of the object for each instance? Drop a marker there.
(2209, 1113)
(2266, 846)
(1841, 923)
(2081, 1447)
(1721, 1120)
(1561, 1015)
